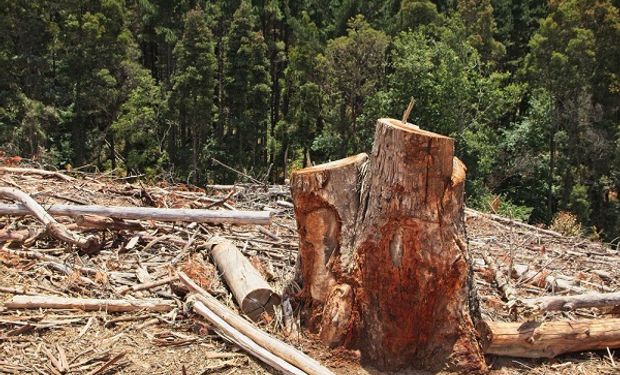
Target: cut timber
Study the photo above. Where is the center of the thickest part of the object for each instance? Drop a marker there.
(54, 228)
(251, 291)
(241, 340)
(150, 213)
(273, 345)
(384, 264)
(549, 339)
(568, 303)
(88, 304)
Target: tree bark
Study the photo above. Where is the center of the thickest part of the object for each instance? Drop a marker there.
(549, 339)
(384, 265)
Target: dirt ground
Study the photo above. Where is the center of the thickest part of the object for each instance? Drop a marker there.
(178, 342)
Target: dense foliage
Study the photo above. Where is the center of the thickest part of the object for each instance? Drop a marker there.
(529, 89)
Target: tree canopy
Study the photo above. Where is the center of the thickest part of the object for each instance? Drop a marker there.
(530, 90)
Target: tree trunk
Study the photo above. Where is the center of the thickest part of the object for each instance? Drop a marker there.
(384, 265)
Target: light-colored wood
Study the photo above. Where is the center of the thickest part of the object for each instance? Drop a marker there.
(88, 304)
(549, 339)
(150, 213)
(384, 264)
(568, 303)
(242, 341)
(252, 293)
(502, 280)
(54, 228)
(275, 346)
(40, 172)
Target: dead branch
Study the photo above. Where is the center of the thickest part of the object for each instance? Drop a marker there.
(54, 228)
(273, 345)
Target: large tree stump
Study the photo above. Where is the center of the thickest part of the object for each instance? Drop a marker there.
(384, 265)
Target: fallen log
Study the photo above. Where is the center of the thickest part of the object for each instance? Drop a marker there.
(568, 303)
(384, 262)
(549, 339)
(253, 294)
(273, 345)
(88, 304)
(545, 280)
(54, 228)
(149, 213)
(40, 172)
(241, 340)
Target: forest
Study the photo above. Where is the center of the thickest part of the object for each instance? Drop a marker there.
(530, 91)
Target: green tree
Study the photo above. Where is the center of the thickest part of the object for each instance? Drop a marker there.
(193, 93)
(355, 69)
(574, 57)
(417, 12)
(479, 22)
(247, 90)
(303, 113)
(441, 70)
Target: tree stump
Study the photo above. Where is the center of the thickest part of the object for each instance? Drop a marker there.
(384, 263)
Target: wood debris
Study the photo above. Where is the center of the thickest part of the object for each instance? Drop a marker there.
(138, 259)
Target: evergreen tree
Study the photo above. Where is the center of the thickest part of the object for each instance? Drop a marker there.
(355, 66)
(247, 91)
(193, 93)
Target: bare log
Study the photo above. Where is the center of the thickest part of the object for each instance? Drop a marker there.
(549, 339)
(54, 228)
(568, 303)
(244, 342)
(253, 294)
(376, 233)
(149, 213)
(88, 304)
(279, 348)
(40, 172)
